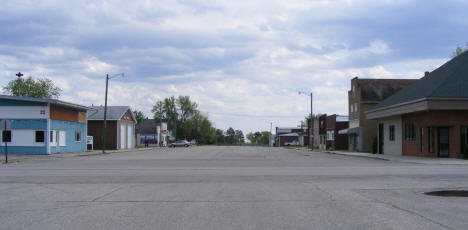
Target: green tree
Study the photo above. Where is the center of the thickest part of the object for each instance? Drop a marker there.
(158, 111)
(171, 114)
(250, 136)
(459, 50)
(186, 107)
(139, 116)
(220, 138)
(230, 136)
(265, 138)
(239, 136)
(40, 88)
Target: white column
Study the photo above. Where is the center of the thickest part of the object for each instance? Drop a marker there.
(47, 134)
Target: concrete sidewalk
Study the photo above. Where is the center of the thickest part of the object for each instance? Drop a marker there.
(408, 159)
(15, 158)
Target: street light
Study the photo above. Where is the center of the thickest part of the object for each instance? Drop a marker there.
(269, 140)
(105, 110)
(311, 140)
(19, 74)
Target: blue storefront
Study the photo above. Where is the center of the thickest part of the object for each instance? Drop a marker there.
(43, 126)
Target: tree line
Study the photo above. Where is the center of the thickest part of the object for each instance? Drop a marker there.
(186, 122)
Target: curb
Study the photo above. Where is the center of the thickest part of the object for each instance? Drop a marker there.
(355, 155)
(98, 152)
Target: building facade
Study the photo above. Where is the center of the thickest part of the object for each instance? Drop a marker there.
(43, 126)
(363, 95)
(120, 127)
(286, 136)
(428, 118)
(322, 132)
(313, 126)
(334, 140)
(150, 133)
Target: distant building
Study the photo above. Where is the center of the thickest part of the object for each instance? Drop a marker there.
(334, 140)
(43, 126)
(150, 133)
(322, 131)
(120, 127)
(429, 117)
(313, 131)
(363, 95)
(286, 136)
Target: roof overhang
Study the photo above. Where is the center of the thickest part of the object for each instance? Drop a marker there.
(47, 101)
(354, 130)
(289, 135)
(418, 105)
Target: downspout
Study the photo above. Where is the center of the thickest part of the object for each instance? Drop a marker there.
(47, 134)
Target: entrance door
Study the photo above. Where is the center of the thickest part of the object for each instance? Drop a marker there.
(57, 141)
(443, 142)
(381, 139)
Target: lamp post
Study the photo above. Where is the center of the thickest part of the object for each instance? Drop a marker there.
(19, 75)
(311, 139)
(105, 110)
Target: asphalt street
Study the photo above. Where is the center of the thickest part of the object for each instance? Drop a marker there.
(228, 188)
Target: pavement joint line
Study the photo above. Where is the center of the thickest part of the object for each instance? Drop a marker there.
(106, 194)
(413, 213)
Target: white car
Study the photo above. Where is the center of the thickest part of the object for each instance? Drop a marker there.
(291, 143)
(180, 143)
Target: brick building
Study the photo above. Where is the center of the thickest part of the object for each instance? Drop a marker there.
(120, 127)
(334, 140)
(429, 117)
(363, 95)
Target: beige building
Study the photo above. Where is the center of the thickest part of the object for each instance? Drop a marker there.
(363, 95)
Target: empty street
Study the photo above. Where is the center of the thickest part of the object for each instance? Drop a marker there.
(228, 188)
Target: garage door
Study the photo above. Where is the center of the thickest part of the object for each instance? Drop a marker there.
(123, 134)
(129, 137)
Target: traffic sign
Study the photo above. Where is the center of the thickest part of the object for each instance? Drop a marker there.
(5, 125)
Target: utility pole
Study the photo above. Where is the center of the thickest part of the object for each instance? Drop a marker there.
(19, 75)
(311, 139)
(105, 111)
(271, 130)
(105, 117)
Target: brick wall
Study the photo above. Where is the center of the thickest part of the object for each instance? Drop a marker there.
(436, 119)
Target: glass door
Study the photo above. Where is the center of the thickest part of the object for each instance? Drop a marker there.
(443, 142)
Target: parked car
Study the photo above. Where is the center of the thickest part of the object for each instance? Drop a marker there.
(180, 143)
(291, 143)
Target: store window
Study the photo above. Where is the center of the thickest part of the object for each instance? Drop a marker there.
(410, 134)
(421, 140)
(391, 134)
(464, 139)
(78, 136)
(430, 139)
(40, 136)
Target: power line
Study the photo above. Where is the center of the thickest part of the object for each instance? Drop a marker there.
(253, 115)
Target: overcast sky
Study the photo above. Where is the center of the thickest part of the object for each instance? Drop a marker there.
(243, 62)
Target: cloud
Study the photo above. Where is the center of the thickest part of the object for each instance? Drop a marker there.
(243, 62)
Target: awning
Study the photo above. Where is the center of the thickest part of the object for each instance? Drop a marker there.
(348, 131)
(289, 135)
